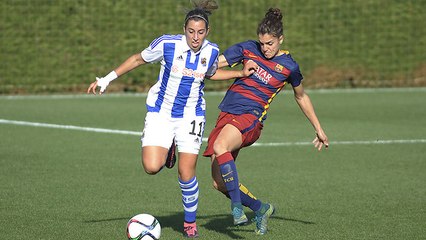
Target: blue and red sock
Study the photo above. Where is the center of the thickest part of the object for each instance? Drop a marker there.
(228, 170)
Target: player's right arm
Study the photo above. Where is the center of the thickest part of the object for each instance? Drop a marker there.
(222, 62)
(249, 68)
(131, 63)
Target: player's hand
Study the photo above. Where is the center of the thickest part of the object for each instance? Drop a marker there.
(249, 68)
(320, 140)
(99, 82)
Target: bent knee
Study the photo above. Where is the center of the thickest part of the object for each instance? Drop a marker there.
(151, 167)
(151, 171)
(219, 147)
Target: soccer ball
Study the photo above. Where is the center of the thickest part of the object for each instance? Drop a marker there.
(143, 227)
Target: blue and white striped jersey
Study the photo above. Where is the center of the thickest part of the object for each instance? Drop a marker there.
(179, 88)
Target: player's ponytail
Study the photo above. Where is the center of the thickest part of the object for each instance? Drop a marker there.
(272, 23)
(202, 10)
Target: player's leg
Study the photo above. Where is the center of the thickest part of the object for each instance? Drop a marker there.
(189, 187)
(230, 139)
(188, 140)
(262, 210)
(156, 139)
(153, 158)
(247, 198)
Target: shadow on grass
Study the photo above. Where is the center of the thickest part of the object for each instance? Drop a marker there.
(220, 223)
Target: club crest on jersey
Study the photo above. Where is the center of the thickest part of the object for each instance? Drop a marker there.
(203, 61)
(279, 68)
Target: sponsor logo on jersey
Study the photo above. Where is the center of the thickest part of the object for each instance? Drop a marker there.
(187, 72)
(263, 75)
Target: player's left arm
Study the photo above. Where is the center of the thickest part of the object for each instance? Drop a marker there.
(307, 108)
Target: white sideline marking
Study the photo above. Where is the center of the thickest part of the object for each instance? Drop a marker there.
(278, 144)
(395, 141)
(69, 127)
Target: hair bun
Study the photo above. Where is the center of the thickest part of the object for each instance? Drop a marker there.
(275, 13)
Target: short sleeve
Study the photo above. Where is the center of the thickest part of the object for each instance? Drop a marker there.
(234, 54)
(212, 70)
(155, 51)
(295, 77)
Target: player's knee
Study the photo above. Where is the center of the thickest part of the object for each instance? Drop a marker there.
(151, 167)
(151, 171)
(219, 146)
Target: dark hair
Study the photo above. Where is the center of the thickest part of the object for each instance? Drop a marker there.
(272, 23)
(202, 10)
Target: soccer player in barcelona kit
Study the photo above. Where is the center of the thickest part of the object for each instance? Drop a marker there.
(244, 109)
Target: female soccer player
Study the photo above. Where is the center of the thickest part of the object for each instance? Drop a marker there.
(175, 104)
(244, 108)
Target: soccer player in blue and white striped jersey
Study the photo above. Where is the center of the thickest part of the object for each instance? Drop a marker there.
(175, 104)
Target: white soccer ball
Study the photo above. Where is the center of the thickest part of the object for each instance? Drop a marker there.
(143, 227)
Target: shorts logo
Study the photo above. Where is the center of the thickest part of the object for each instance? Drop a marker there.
(235, 121)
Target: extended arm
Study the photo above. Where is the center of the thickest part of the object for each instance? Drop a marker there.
(307, 108)
(131, 63)
(221, 74)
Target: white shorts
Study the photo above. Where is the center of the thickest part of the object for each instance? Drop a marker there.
(160, 130)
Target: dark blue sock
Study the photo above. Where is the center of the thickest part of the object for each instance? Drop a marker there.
(250, 202)
(230, 177)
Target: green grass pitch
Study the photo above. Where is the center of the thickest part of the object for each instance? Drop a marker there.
(70, 184)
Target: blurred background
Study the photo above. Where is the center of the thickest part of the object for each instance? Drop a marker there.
(51, 46)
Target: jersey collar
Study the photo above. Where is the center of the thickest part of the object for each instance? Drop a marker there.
(186, 47)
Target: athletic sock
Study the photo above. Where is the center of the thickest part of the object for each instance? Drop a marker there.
(189, 198)
(228, 169)
(248, 199)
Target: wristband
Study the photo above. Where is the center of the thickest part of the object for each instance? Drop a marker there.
(104, 82)
(111, 76)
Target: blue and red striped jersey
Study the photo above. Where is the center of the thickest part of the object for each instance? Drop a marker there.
(255, 93)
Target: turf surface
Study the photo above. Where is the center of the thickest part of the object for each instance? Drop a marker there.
(70, 184)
